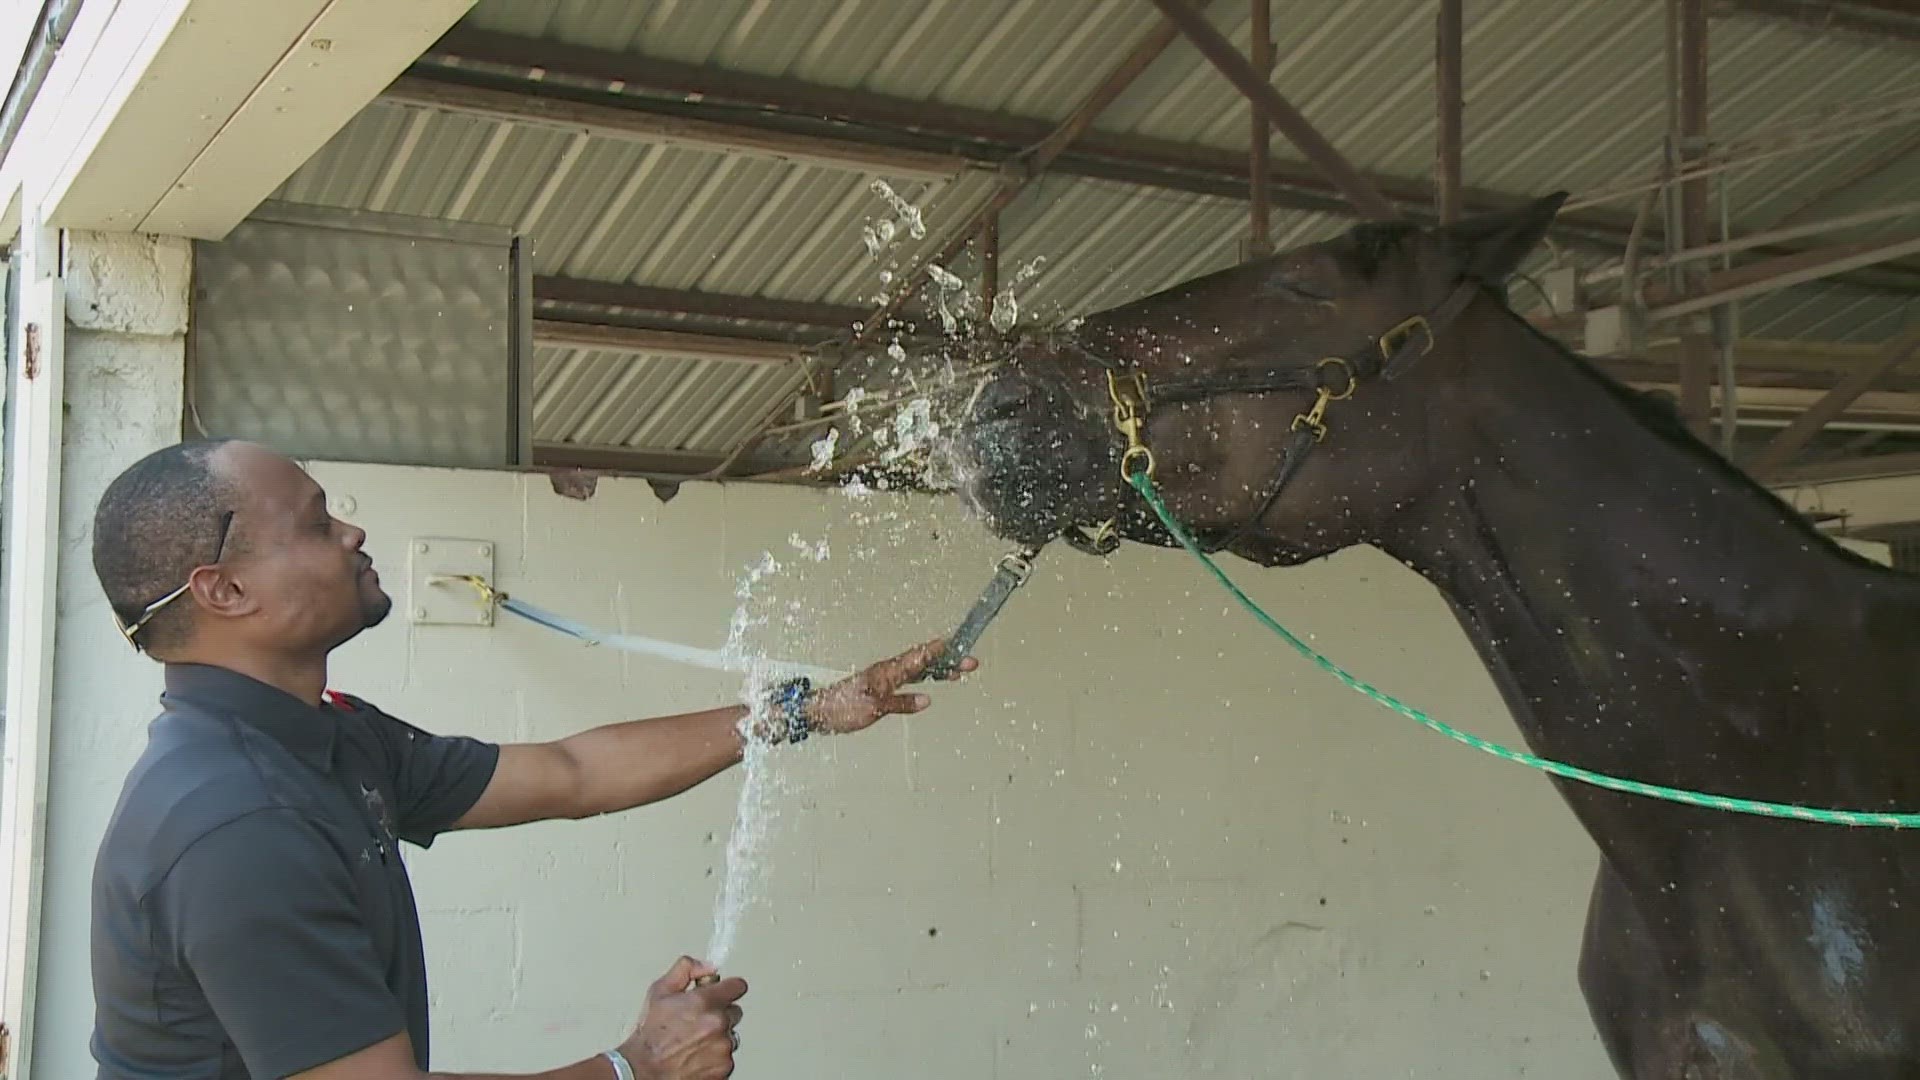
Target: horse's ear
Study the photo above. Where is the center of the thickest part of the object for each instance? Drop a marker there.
(1491, 246)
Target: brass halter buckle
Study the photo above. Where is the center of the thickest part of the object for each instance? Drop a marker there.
(1393, 339)
(1130, 417)
(1313, 417)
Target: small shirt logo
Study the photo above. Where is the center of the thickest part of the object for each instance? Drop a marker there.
(377, 809)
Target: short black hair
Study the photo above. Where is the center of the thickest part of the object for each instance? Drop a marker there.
(156, 521)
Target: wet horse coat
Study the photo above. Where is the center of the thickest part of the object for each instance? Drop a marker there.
(1644, 608)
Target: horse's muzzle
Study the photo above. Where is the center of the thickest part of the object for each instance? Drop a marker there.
(1034, 459)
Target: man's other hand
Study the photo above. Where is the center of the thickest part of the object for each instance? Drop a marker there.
(860, 700)
(686, 1032)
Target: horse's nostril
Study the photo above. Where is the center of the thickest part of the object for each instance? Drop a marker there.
(1004, 397)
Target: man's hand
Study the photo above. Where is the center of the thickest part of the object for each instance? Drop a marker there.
(860, 700)
(686, 1034)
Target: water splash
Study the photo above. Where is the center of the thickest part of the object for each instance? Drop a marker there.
(908, 213)
(1006, 302)
(1006, 311)
(850, 406)
(913, 438)
(944, 300)
(752, 820)
(878, 237)
(754, 815)
(914, 429)
(823, 448)
(884, 233)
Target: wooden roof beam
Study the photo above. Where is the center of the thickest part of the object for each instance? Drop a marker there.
(1894, 22)
(1366, 198)
(642, 341)
(550, 292)
(614, 121)
(1780, 452)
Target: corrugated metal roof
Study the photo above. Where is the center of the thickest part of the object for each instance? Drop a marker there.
(615, 210)
(595, 398)
(1565, 96)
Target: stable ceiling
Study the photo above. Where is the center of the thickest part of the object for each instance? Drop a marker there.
(670, 163)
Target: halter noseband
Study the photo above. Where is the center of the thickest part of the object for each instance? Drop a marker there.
(1332, 378)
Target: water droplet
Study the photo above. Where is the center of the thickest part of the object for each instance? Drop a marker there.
(823, 448)
(1006, 311)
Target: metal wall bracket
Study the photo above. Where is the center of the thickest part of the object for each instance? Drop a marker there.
(435, 594)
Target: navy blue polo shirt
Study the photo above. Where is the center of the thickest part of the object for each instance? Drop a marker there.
(252, 917)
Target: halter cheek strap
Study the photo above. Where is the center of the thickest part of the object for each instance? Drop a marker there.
(1333, 378)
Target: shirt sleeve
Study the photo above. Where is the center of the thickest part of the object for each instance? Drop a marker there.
(261, 912)
(436, 778)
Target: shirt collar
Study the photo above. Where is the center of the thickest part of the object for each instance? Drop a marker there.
(307, 730)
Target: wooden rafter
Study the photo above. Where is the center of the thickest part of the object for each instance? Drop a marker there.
(1791, 440)
(1366, 199)
(1450, 104)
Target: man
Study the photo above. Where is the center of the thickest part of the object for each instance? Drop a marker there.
(251, 913)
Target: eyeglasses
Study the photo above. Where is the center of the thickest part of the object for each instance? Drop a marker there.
(127, 630)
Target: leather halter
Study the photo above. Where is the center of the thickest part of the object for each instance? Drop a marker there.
(1334, 378)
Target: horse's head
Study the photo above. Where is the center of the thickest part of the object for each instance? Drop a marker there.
(1225, 372)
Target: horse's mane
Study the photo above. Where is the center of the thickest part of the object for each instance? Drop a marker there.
(1375, 242)
(1665, 423)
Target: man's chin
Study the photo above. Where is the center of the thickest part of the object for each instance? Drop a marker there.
(375, 612)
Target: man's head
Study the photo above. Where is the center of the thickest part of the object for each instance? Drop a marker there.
(214, 549)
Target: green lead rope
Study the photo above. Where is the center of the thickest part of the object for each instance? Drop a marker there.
(1144, 485)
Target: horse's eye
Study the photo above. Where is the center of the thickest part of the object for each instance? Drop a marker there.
(1301, 289)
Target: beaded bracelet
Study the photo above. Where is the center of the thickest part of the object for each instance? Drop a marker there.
(790, 705)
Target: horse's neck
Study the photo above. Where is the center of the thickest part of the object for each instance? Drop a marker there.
(1639, 609)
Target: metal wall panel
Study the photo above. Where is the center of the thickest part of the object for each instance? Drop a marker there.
(355, 336)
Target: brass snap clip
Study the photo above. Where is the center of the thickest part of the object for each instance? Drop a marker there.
(1129, 416)
(1314, 418)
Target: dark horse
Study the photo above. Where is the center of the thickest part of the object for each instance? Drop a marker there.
(1645, 609)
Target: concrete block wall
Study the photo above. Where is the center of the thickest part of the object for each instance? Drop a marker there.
(126, 310)
(1143, 841)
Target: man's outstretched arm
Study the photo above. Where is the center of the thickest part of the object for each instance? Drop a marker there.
(620, 766)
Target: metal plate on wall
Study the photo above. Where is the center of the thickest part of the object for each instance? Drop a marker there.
(435, 595)
(355, 336)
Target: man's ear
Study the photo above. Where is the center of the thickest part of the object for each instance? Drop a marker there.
(1491, 246)
(219, 592)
